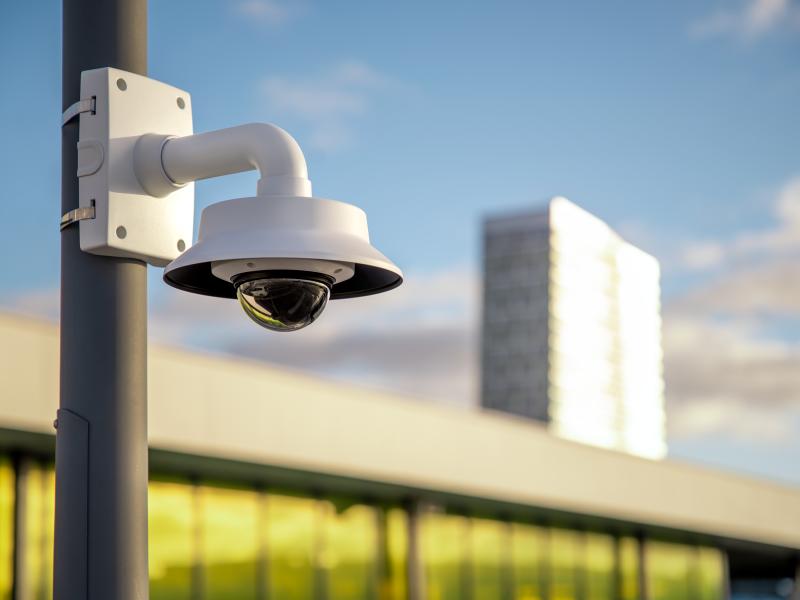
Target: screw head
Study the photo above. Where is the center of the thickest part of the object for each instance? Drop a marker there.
(181, 103)
(121, 232)
(181, 245)
(122, 84)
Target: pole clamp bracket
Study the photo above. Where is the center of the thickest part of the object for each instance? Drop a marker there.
(75, 215)
(81, 106)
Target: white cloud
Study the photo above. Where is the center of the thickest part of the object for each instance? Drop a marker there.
(706, 416)
(272, 12)
(330, 102)
(750, 20)
(727, 378)
(780, 240)
(767, 290)
(702, 255)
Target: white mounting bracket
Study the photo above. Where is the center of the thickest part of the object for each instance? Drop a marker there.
(128, 221)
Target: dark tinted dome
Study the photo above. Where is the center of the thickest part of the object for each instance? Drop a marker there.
(282, 304)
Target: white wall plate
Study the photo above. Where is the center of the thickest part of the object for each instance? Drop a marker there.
(128, 221)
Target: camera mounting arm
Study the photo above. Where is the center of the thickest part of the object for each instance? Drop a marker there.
(138, 157)
(164, 163)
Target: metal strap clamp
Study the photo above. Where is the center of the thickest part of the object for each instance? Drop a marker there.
(81, 106)
(75, 215)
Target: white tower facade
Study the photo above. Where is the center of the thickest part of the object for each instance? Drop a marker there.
(572, 329)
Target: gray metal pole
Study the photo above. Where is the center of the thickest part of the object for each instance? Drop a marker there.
(101, 441)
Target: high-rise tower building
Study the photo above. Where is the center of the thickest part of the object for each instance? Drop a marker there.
(572, 329)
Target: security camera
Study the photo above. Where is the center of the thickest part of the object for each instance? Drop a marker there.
(283, 257)
(282, 253)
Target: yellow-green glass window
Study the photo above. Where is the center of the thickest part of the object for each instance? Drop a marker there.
(565, 560)
(349, 551)
(445, 539)
(528, 553)
(392, 584)
(230, 546)
(668, 570)
(599, 566)
(172, 526)
(711, 573)
(629, 568)
(6, 527)
(291, 531)
(489, 546)
(39, 528)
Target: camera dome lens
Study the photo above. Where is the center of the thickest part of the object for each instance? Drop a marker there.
(281, 303)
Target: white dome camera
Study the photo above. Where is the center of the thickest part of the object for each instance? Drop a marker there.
(282, 253)
(283, 257)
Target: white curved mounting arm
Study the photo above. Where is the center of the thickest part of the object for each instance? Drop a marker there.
(164, 163)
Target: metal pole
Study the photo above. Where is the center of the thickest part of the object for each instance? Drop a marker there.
(101, 442)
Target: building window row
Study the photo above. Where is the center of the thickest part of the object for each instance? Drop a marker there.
(216, 541)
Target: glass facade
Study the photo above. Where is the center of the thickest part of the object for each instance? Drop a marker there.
(528, 562)
(213, 541)
(172, 540)
(349, 553)
(675, 571)
(600, 567)
(292, 542)
(566, 568)
(39, 520)
(230, 542)
(445, 545)
(489, 560)
(628, 561)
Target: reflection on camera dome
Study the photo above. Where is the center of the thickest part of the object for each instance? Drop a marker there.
(283, 304)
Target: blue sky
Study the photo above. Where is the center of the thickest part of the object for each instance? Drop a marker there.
(676, 122)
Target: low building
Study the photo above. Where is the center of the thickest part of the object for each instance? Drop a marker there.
(268, 484)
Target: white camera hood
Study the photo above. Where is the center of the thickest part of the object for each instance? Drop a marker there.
(283, 227)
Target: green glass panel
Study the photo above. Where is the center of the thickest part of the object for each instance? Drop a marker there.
(488, 550)
(528, 552)
(565, 560)
(230, 543)
(599, 566)
(291, 530)
(39, 526)
(6, 527)
(629, 568)
(668, 571)
(711, 573)
(393, 571)
(349, 551)
(172, 524)
(445, 539)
